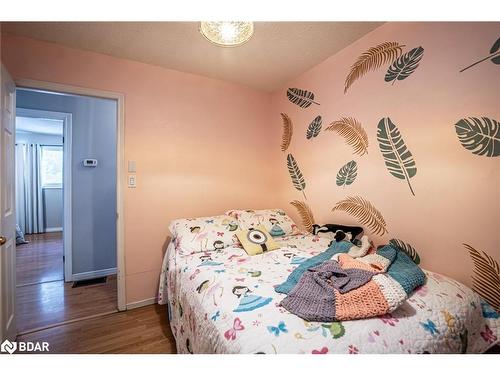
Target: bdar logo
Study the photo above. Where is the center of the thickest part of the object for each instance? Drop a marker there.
(8, 347)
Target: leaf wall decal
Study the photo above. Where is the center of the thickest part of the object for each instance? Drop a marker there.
(406, 248)
(372, 60)
(314, 128)
(286, 138)
(404, 65)
(353, 132)
(495, 50)
(486, 278)
(398, 159)
(305, 214)
(347, 174)
(295, 174)
(302, 98)
(480, 136)
(494, 56)
(364, 211)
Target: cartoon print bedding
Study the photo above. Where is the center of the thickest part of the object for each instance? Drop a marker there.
(225, 302)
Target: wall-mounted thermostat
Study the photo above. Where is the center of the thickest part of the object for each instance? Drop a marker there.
(90, 162)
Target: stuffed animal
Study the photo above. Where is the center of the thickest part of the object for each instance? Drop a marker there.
(341, 231)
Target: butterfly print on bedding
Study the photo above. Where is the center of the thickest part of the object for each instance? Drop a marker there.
(488, 335)
(430, 327)
(230, 334)
(280, 328)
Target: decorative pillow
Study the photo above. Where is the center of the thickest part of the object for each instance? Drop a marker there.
(202, 234)
(337, 232)
(275, 221)
(256, 240)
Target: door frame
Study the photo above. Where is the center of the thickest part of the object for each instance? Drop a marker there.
(67, 119)
(120, 160)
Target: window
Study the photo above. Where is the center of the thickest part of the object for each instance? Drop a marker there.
(52, 166)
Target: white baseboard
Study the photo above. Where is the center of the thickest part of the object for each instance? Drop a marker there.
(53, 229)
(144, 302)
(93, 274)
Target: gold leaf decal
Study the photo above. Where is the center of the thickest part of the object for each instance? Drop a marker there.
(372, 60)
(305, 214)
(287, 132)
(486, 278)
(353, 132)
(364, 211)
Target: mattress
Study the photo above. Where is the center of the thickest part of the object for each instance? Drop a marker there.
(225, 302)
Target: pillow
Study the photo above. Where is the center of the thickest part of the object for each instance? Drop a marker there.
(337, 232)
(201, 234)
(256, 240)
(275, 221)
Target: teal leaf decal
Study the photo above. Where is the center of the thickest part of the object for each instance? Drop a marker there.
(406, 248)
(314, 128)
(405, 65)
(398, 159)
(480, 136)
(302, 98)
(347, 174)
(295, 174)
(494, 56)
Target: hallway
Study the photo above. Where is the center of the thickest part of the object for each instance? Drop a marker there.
(43, 298)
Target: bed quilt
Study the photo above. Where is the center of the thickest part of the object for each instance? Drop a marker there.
(225, 302)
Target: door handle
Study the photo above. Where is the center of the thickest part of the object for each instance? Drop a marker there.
(3, 240)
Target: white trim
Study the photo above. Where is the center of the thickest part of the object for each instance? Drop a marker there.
(53, 229)
(120, 147)
(142, 303)
(94, 274)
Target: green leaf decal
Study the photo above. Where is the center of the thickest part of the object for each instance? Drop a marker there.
(347, 174)
(302, 98)
(406, 248)
(398, 159)
(314, 128)
(494, 56)
(295, 174)
(495, 50)
(405, 65)
(479, 136)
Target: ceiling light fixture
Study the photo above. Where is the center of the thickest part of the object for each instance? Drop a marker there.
(227, 33)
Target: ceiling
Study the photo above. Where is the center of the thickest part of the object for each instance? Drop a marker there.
(39, 125)
(278, 51)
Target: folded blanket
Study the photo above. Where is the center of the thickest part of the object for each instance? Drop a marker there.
(334, 250)
(354, 288)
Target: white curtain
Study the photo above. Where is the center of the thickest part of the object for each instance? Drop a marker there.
(29, 200)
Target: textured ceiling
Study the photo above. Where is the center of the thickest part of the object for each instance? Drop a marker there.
(278, 51)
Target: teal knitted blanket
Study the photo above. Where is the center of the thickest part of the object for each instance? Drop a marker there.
(294, 277)
(402, 268)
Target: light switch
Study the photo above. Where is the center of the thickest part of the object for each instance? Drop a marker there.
(132, 181)
(131, 166)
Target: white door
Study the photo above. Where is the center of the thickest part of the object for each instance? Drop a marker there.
(8, 329)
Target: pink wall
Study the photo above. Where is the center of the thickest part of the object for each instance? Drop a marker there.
(199, 143)
(456, 191)
(203, 146)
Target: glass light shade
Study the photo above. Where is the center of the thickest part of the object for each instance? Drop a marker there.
(227, 33)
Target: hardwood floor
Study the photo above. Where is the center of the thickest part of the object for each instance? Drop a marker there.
(43, 298)
(41, 259)
(40, 305)
(142, 330)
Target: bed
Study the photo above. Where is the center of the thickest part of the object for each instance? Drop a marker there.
(203, 292)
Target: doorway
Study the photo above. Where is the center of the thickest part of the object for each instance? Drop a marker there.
(66, 194)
